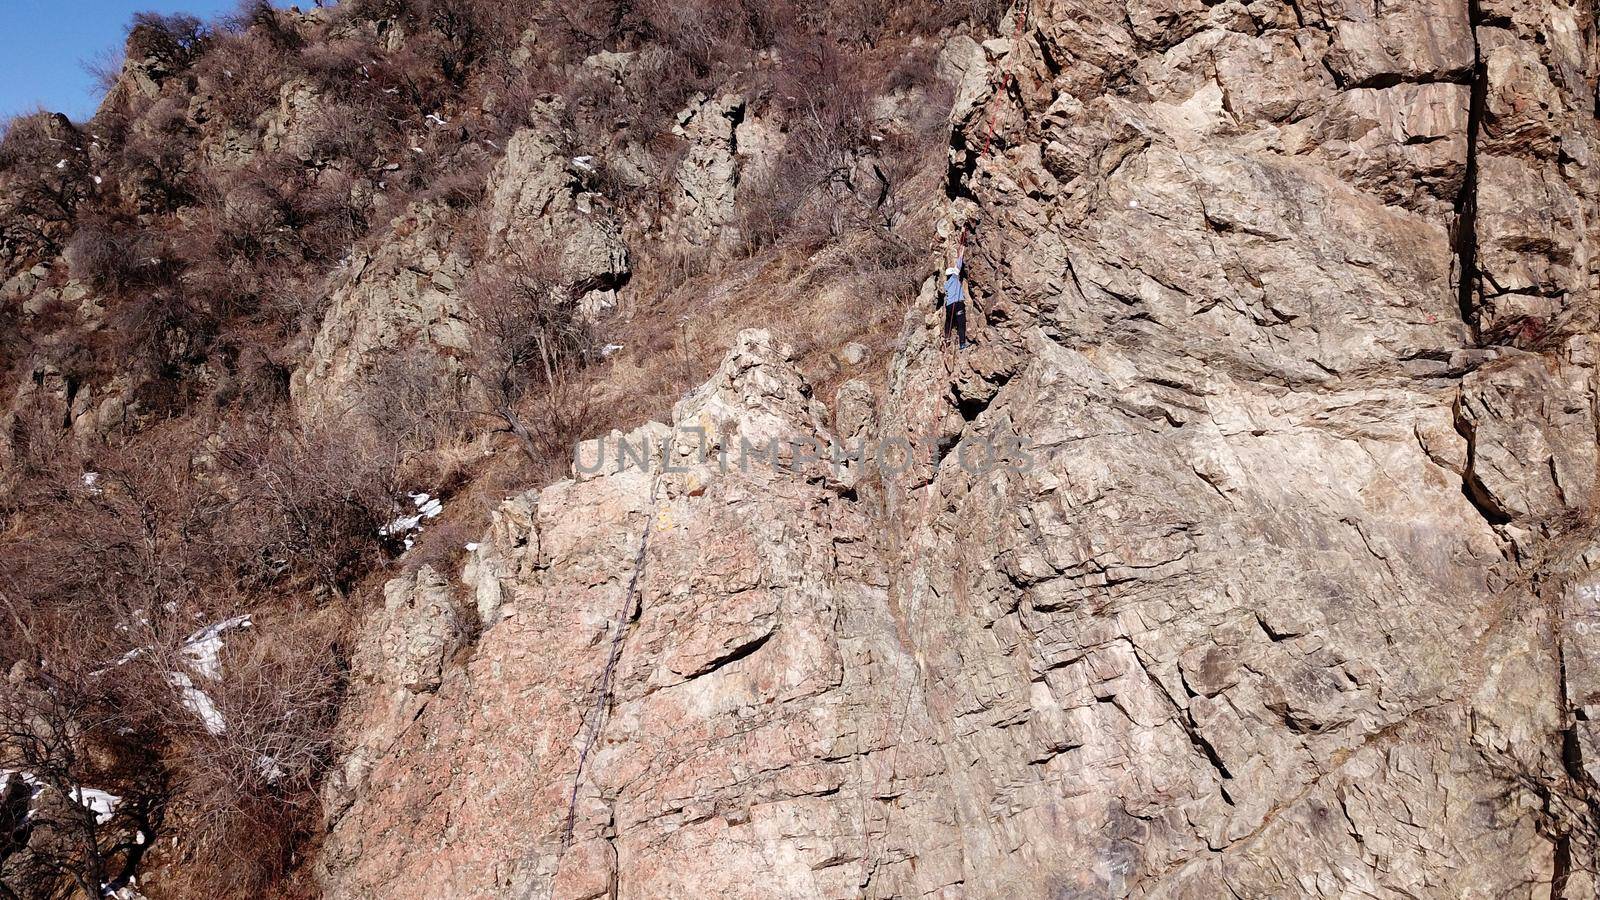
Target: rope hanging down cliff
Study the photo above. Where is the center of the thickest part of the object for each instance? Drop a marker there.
(596, 716)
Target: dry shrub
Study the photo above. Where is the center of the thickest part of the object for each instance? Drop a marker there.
(189, 530)
(527, 334)
(175, 40)
(462, 180)
(158, 158)
(933, 16)
(42, 165)
(245, 246)
(116, 259)
(342, 130)
(70, 851)
(248, 794)
(697, 31)
(561, 413)
(309, 504)
(243, 74)
(413, 405)
(339, 67)
(861, 21)
(163, 334)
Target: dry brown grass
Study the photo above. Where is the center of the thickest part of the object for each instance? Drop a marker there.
(676, 329)
(205, 506)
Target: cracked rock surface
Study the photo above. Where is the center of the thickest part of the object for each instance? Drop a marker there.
(1290, 587)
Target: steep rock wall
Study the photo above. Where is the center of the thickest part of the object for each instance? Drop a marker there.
(1288, 590)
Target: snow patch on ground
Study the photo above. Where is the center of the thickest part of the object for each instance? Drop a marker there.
(197, 702)
(129, 891)
(201, 654)
(202, 651)
(425, 507)
(269, 769)
(24, 777)
(102, 803)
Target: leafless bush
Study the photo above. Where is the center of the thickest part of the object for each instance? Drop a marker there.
(244, 74)
(49, 721)
(309, 503)
(189, 530)
(158, 155)
(560, 413)
(462, 179)
(695, 30)
(411, 405)
(861, 21)
(248, 782)
(528, 333)
(42, 163)
(117, 259)
(262, 18)
(931, 16)
(105, 67)
(341, 131)
(339, 67)
(176, 40)
(376, 10)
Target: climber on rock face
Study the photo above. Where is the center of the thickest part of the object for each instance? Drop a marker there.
(955, 303)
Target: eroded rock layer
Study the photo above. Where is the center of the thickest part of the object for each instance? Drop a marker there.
(1287, 589)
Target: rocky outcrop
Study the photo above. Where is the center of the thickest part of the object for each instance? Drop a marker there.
(1251, 552)
(541, 209)
(49, 405)
(399, 298)
(708, 176)
(401, 302)
(688, 661)
(1533, 203)
(1247, 629)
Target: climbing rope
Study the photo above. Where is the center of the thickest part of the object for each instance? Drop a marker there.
(596, 716)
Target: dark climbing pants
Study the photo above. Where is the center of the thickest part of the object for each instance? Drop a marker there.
(955, 319)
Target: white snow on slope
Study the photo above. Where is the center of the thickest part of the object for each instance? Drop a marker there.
(197, 702)
(129, 891)
(427, 507)
(102, 803)
(202, 651)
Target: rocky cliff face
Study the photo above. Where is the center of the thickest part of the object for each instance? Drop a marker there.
(1251, 552)
(1287, 589)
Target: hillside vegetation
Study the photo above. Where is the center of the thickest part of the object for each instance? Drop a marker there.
(173, 480)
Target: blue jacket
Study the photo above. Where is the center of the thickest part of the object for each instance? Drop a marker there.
(952, 287)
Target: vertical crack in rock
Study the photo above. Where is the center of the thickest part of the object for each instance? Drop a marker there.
(1467, 204)
(628, 614)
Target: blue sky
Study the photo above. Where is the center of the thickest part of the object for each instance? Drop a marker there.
(44, 44)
